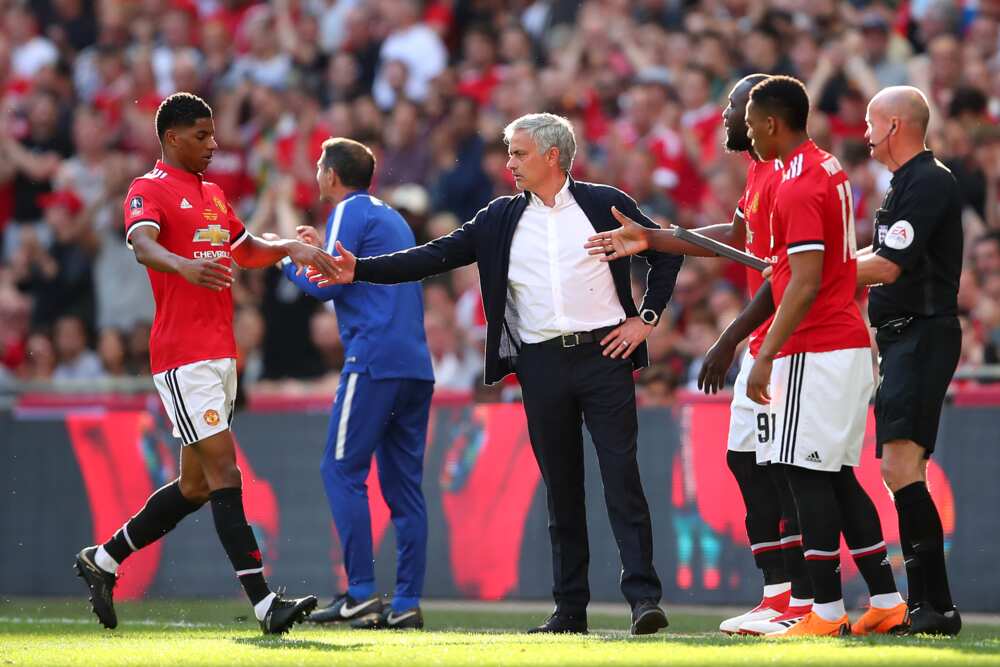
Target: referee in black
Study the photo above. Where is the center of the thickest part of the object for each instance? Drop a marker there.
(913, 268)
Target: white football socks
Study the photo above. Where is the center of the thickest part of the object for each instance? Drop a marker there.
(830, 611)
(104, 561)
(771, 590)
(886, 600)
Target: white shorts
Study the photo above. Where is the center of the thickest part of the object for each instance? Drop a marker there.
(818, 410)
(199, 397)
(742, 412)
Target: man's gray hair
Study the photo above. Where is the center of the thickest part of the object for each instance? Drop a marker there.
(547, 130)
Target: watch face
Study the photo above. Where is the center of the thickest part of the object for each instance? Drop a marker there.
(648, 316)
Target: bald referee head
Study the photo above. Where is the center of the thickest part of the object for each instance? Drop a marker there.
(897, 121)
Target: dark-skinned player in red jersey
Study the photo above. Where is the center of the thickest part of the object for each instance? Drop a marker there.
(184, 231)
(771, 519)
(812, 378)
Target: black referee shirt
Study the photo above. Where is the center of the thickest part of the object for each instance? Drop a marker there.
(919, 228)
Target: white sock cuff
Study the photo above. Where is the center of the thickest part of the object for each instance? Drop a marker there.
(771, 590)
(886, 600)
(261, 608)
(104, 560)
(830, 611)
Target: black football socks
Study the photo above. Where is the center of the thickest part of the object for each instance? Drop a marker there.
(925, 535)
(239, 542)
(161, 514)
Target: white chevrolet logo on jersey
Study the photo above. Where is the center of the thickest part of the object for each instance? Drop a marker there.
(214, 234)
(185, 203)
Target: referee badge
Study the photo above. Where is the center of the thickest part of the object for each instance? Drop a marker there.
(900, 235)
(211, 417)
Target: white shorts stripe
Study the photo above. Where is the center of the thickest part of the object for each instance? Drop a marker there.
(188, 433)
(791, 538)
(345, 414)
(131, 544)
(875, 547)
(242, 573)
(764, 545)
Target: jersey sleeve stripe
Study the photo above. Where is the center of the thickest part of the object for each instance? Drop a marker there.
(239, 239)
(805, 246)
(739, 213)
(135, 226)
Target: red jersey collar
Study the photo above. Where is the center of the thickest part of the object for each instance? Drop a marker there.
(806, 146)
(180, 174)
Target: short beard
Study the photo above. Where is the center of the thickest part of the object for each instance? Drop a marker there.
(737, 143)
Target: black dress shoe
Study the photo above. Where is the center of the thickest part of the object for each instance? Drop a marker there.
(925, 620)
(647, 618)
(562, 623)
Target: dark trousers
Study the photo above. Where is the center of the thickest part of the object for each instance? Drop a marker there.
(561, 389)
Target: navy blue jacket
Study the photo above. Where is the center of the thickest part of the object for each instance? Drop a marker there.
(486, 239)
(382, 326)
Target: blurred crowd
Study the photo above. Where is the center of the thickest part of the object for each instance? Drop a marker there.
(429, 86)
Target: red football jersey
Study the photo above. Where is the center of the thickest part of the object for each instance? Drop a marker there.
(755, 209)
(813, 210)
(195, 221)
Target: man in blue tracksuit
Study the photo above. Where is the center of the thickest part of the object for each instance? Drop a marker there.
(383, 401)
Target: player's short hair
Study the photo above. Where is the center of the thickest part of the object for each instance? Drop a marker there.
(547, 130)
(180, 110)
(352, 161)
(785, 97)
(754, 79)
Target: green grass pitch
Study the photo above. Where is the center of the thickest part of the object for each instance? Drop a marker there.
(52, 633)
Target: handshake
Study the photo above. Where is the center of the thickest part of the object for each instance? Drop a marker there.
(338, 270)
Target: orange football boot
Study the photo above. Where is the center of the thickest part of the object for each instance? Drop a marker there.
(814, 625)
(883, 621)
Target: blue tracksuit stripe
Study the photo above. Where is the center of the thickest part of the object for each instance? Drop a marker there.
(383, 401)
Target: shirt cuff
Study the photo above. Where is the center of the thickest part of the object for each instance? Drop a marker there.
(805, 246)
(137, 225)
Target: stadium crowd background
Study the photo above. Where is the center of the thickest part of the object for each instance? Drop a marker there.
(429, 86)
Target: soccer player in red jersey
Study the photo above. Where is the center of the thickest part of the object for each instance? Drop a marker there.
(771, 521)
(187, 234)
(812, 378)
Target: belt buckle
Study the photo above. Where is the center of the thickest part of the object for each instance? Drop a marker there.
(567, 337)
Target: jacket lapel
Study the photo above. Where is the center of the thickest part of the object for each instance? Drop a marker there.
(599, 219)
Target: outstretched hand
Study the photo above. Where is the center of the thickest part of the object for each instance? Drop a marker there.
(629, 239)
(341, 271)
(306, 257)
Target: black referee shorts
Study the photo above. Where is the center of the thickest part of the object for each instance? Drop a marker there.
(916, 364)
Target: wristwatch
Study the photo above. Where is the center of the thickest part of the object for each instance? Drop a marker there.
(649, 316)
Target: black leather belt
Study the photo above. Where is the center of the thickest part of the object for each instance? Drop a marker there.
(579, 338)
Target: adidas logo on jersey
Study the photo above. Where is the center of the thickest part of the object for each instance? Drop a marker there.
(814, 458)
(185, 203)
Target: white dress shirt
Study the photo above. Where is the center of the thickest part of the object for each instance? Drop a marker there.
(556, 287)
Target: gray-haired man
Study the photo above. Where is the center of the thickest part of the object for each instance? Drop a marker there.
(566, 324)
